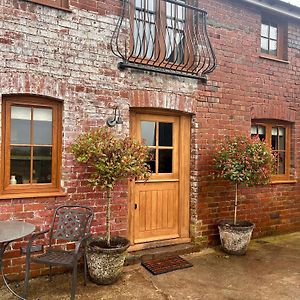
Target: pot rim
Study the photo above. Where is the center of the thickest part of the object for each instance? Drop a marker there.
(111, 250)
(241, 225)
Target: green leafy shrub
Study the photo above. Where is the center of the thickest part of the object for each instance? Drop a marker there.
(244, 161)
(111, 159)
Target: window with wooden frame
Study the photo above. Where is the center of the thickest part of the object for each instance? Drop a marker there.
(273, 37)
(278, 135)
(160, 31)
(160, 136)
(62, 4)
(164, 36)
(31, 145)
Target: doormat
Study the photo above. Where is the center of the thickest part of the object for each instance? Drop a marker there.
(165, 264)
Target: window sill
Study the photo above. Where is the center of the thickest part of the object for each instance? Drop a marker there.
(283, 181)
(33, 195)
(273, 58)
(41, 2)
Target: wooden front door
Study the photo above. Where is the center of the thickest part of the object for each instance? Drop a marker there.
(159, 206)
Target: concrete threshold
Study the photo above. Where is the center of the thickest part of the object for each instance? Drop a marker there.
(136, 257)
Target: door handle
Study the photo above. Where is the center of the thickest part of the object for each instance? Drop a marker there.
(135, 206)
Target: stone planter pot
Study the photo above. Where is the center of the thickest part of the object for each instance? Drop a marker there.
(105, 264)
(235, 238)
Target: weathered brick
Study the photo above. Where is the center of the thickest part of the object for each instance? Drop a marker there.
(67, 56)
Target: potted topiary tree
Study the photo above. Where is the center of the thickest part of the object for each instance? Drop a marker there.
(244, 161)
(111, 159)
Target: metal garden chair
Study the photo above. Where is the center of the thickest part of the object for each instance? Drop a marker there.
(70, 223)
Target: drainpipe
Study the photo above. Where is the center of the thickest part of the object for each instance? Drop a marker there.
(282, 11)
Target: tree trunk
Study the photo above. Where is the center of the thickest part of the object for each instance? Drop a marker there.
(235, 203)
(108, 204)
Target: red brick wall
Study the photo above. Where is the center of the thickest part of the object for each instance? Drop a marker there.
(65, 55)
(247, 87)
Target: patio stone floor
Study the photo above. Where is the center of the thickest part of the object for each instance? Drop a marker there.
(269, 271)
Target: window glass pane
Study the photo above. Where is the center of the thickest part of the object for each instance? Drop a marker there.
(180, 27)
(181, 12)
(180, 40)
(20, 164)
(42, 126)
(265, 30)
(150, 39)
(273, 32)
(165, 161)
(20, 125)
(169, 40)
(144, 28)
(139, 3)
(152, 160)
(262, 132)
(148, 132)
(264, 45)
(275, 138)
(273, 47)
(281, 138)
(274, 131)
(169, 9)
(175, 37)
(152, 42)
(254, 130)
(281, 163)
(165, 137)
(151, 5)
(175, 41)
(42, 164)
(138, 32)
(258, 130)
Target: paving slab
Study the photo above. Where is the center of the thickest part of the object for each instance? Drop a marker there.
(269, 271)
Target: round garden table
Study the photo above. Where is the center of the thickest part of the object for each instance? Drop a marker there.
(11, 231)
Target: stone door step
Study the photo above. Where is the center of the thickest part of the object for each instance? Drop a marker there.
(136, 257)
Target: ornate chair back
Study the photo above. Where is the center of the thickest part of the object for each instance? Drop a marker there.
(70, 223)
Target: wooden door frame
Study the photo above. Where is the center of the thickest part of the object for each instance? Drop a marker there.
(184, 181)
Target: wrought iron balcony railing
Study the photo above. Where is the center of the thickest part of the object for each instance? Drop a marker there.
(166, 36)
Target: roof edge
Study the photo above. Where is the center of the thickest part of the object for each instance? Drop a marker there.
(277, 6)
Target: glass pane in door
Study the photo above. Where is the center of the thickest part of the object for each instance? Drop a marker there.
(165, 161)
(152, 160)
(165, 136)
(159, 138)
(148, 133)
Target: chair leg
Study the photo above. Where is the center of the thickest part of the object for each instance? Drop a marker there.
(27, 275)
(50, 273)
(85, 269)
(74, 282)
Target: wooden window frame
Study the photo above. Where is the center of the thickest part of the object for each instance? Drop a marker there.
(268, 125)
(161, 19)
(60, 4)
(281, 39)
(31, 101)
(168, 119)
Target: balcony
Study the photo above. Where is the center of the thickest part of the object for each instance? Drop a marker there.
(164, 36)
